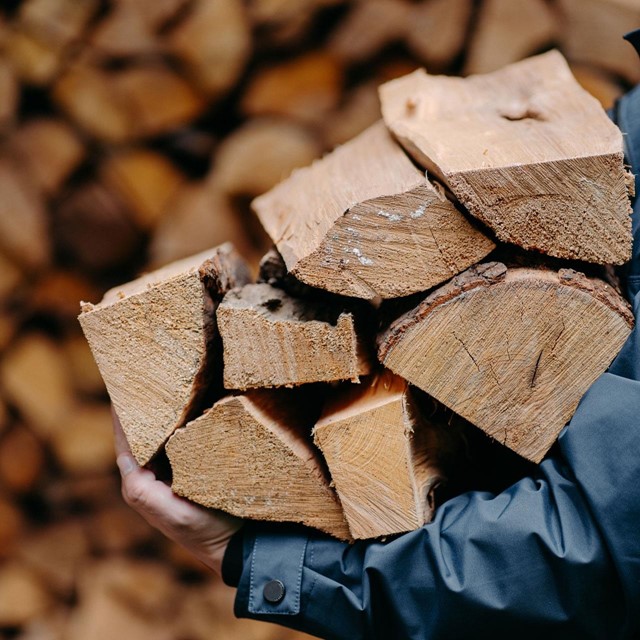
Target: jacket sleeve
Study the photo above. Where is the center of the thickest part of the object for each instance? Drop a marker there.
(557, 553)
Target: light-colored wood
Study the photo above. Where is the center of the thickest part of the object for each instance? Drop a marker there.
(36, 382)
(262, 152)
(601, 85)
(22, 460)
(145, 181)
(49, 150)
(23, 219)
(85, 445)
(83, 370)
(382, 456)
(510, 350)
(200, 216)
(43, 34)
(305, 88)
(154, 342)
(56, 553)
(56, 294)
(22, 595)
(514, 149)
(365, 222)
(508, 31)
(117, 529)
(437, 30)
(214, 43)
(9, 93)
(368, 29)
(130, 104)
(11, 526)
(592, 32)
(251, 456)
(273, 340)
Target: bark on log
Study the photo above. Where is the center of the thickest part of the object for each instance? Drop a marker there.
(364, 222)
(273, 340)
(154, 340)
(523, 163)
(382, 456)
(251, 456)
(510, 350)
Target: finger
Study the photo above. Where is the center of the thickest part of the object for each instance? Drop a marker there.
(120, 440)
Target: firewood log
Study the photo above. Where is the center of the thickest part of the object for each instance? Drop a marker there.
(365, 222)
(592, 32)
(10, 277)
(154, 340)
(271, 339)
(600, 84)
(382, 455)
(22, 460)
(508, 31)
(23, 596)
(9, 92)
(12, 526)
(510, 350)
(511, 146)
(250, 455)
(83, 370)
(56, 293)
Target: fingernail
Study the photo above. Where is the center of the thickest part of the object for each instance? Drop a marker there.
(126, 464)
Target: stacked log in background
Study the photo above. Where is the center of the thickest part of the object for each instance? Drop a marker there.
(134, 134)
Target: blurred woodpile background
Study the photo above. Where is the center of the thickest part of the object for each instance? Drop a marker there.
(134, 133)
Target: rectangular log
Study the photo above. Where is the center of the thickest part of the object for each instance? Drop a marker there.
(512, 147)
(155, 342)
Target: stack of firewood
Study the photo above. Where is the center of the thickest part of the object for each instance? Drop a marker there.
(133, 134)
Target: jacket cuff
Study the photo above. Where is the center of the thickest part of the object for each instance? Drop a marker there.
(232, 561)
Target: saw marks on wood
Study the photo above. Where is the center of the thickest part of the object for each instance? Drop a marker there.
(153, 340)
(365, 222)
(526, 150)
(251, 456)
(271, 339)
(510, 350)
(382, 456)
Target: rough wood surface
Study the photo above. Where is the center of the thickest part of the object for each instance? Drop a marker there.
(251, 456)
(507, 31)
(364, 222)
(510, 350)
(383, 458)
(272, 340)
(592, 32)
(513, 147)
(154, 341)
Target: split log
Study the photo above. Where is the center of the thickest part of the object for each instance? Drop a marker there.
(508, 31)
(305, 88)
(23, 219)
(9, 94)
(157, 373)
(527, 133)
(437, 30)
(364, 222)
(117, 529)
(56, 294)
(7, 328)
(251, 456)
(592, 32)
(382, 456)
(36, 382)
(599, 84)
(43, 35)
(510, 350)
(83, 370)
(49, 150)
(214, 43)
(259, 154)
(145, 181)
(129, 104)
(85, 445)
(200, 216)
(368, 29)
(10, 277)
(11, 527)
(22, 460)
(272, 340)
(22, 595)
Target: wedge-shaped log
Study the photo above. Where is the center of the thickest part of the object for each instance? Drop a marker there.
(383, 457)
(271, 339)
(154, 340)
(510, 350)
(251, 456)
(514, 149)
(365, 222)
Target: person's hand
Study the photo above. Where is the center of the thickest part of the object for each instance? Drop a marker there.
(203, 532)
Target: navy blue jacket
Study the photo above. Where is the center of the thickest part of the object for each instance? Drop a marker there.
(556, 555)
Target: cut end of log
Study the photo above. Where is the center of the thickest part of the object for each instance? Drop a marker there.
(251, 456)
(504, 348)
